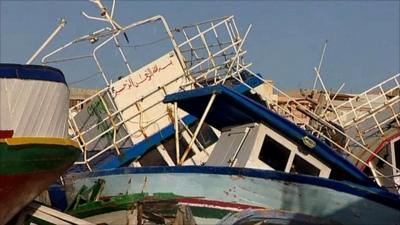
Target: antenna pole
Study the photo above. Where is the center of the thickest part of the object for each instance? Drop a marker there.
(327, 94)
(106, 15)
(320, 63)
(48, 40)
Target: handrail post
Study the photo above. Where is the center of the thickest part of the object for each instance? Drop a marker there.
(196, 132)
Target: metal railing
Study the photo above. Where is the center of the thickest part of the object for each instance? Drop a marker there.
(286, 110)
(370, 105)
(209, 52)
(388, 91)
(212, 50)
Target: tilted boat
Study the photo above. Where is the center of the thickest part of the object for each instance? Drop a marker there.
(34, 148)
(128, 124)
(363, 127)
(116, 132)
(300, 186)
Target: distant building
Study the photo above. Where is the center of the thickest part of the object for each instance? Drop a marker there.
(78, 95)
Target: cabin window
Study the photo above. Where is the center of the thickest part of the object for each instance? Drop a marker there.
(206, 136)
(281, 153)
(397, 154)
(152, 158)
(301, 166)
(274, 154)
(169, 145)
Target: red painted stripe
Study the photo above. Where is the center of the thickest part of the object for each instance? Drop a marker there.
(379, 148)
(6, 133)
(216, 203)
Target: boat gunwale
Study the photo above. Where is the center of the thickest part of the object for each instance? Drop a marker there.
(31, 72)
(371, 193)
(38, 141)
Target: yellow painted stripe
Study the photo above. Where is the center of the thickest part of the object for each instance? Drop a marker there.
(39, 140)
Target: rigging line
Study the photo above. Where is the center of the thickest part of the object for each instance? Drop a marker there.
(146, 44)
(69, 59)
(395, 186)
(386, 176)
(84, 79)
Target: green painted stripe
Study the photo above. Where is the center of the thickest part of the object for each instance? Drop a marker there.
(128, 202)
(116, 203)
(31, 158)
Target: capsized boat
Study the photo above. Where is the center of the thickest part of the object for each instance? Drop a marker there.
(125, 123)
(34, 148)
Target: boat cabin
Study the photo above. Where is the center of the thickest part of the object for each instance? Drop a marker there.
(256, 145)
(389, 150)
(255, 137)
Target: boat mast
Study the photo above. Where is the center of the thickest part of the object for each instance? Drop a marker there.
(48, 40)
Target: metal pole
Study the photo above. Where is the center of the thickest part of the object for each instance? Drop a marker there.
(320, 63)
(49, 39)
(327, 95)
(176, 132)
(196, 132)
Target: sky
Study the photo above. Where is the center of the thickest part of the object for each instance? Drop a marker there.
(284, 44)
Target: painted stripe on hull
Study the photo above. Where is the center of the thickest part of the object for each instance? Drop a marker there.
(374, 194)
(17, 159)
(31, 72)
(38, 140)
(6, 134)
(378, 150)
(231, 206)
(270, 190)
(27, 170)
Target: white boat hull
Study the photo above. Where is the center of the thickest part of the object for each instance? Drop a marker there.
(317, 197)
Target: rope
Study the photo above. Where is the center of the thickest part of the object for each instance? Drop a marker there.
(84, 79)
(386, 176)
(146, 44)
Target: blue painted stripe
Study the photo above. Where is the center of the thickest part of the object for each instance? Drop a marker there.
(374, 194)
(31, 72)
(142, 147)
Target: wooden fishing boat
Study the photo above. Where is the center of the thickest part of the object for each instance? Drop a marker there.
(294, 179)
(128, 124)
(344, 203)
(34, 149)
